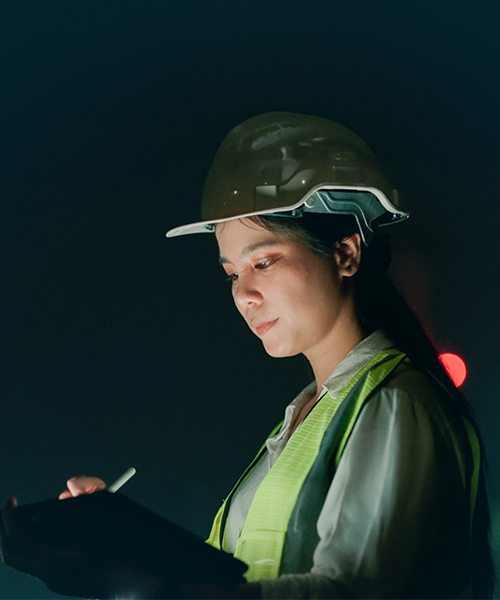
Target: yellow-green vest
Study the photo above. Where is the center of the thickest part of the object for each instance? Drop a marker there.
(279, 534)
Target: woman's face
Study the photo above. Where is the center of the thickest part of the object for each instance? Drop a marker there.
(290, 298)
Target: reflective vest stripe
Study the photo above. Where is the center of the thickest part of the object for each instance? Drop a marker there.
(263, 536)
(476, 458)
(218, 527)
(476, 454)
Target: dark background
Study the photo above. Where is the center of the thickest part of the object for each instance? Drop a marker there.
(121, 348)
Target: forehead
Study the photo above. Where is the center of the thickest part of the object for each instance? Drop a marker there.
(240, 237)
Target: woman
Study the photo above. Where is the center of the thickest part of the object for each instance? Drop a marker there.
(365, 490)
(373, 484)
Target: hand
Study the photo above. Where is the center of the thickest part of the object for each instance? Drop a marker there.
(82, 484)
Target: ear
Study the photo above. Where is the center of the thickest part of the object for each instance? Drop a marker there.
(347, 255)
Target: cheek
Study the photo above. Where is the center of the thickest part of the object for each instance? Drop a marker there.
(311, 296)
(315, 306)
(301, 310)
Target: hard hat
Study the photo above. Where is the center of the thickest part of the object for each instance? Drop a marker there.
(288, 164)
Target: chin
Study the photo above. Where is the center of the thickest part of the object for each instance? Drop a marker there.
(279, 351)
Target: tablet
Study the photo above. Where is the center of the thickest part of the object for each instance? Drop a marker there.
(117, 535)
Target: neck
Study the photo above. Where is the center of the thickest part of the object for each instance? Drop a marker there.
(325, 358)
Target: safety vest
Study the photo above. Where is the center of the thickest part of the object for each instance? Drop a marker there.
(279, 534)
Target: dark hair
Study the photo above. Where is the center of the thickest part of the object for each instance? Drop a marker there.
(379, 305)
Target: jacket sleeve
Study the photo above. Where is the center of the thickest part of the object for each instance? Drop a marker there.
(393, 522)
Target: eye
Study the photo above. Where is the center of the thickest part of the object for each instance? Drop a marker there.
(232, 277)
(264, 264)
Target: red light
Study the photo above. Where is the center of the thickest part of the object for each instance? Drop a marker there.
(455, 367)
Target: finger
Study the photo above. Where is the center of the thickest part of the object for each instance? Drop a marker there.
(85, 485)
(64, 495)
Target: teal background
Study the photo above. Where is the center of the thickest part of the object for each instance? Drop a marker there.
(121, 348)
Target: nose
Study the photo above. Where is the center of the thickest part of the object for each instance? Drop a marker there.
(246, 293)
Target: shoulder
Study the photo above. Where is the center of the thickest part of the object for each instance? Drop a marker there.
(411, 388)
(413, 406)
(411, 384)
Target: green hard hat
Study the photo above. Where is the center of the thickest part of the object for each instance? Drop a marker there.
(287, 164)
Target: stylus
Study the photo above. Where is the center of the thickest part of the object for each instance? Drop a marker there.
(122, 480)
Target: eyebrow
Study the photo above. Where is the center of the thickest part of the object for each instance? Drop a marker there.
(251, 248)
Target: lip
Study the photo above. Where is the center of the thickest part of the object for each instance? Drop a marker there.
(263, 327)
